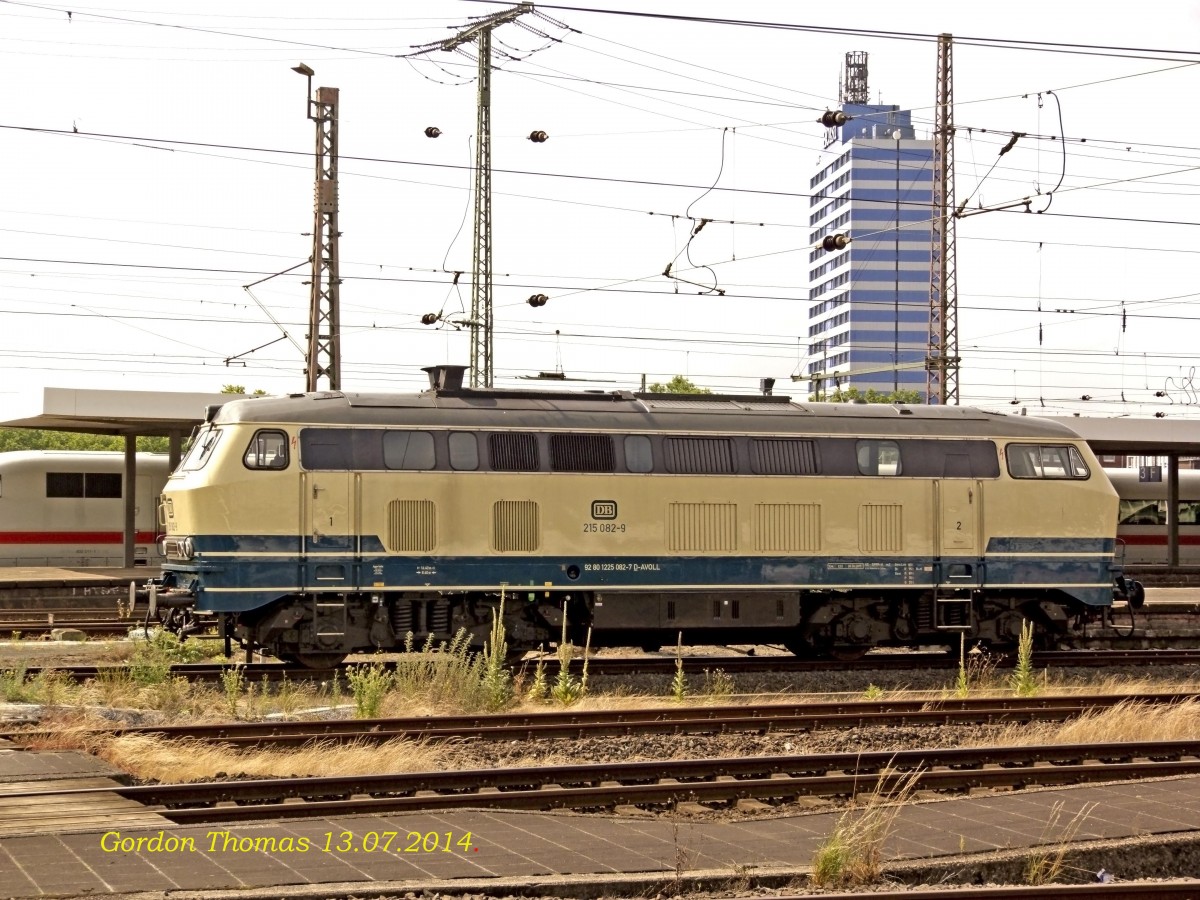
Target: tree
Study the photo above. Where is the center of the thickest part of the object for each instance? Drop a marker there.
(38, 439)
(241, 389)
(678, 385)
(850, 395)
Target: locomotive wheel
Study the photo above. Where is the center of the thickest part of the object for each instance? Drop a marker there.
(315, 660)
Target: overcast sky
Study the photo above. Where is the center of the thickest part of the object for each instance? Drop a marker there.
(159, 158)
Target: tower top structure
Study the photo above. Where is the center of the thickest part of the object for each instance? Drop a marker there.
(852, 86)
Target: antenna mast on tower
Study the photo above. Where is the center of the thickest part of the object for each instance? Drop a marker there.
(852, 87)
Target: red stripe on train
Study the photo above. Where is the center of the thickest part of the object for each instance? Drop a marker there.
(1157, 540)
(72, 537)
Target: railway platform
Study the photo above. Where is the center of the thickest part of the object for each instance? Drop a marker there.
(493, 851)
(39, 588)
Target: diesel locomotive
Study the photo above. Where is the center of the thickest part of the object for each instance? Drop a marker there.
(316, 525)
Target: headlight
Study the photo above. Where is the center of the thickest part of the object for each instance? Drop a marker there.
(179, 548)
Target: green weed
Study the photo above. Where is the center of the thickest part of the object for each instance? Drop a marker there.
(679, 684)
(497, 679)
(233, 682)
(368, 685)
(1023, 681)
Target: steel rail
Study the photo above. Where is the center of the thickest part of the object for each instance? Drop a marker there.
(733, 665)
(777, 717)
(1146, 890)
(779, 779)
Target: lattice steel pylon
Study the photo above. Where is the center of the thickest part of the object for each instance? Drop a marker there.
(481, 258)
(941, 360)
(481, 255)
(324, 357)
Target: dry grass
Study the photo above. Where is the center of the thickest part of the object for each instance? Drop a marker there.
(1048, 861)
(852, 855)
(152, 758)
(1127, 721)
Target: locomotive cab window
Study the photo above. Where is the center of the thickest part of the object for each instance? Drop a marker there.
(267, 450)
(878, 457)
(1046, 461)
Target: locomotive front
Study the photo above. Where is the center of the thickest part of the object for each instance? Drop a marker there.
(230, 516)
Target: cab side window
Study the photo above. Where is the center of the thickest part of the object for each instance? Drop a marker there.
(267, 450)
(1047, 461)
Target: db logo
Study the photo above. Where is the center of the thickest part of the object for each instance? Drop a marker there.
(604, 509)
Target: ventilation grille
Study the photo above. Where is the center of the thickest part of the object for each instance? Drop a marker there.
(515, 526)
(699, 456)
(412, 526)
(581, 453)
(702, 526)
(513, 452)
(783, 456)
(880, 528)
(783, 527)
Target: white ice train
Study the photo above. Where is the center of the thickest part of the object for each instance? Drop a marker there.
(65, 508)
(1142, 522)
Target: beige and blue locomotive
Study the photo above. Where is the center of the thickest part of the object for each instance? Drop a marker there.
(321, 524)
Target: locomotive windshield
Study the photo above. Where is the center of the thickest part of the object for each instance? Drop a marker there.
(201, 450)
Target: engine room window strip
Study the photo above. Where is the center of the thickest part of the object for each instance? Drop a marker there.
(395, 449)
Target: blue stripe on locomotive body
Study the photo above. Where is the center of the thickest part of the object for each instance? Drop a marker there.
(1078, 567)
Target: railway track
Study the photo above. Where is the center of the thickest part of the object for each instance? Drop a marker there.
(1147, 890)
(30, 627)
(662, 665)
(573, 725)
(655, 784)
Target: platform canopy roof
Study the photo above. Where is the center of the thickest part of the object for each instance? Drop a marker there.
(1136, 437)
(141, 413)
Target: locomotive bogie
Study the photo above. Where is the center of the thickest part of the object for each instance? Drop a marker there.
(333, 523)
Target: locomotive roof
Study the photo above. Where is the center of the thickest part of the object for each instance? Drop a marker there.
(626, 411)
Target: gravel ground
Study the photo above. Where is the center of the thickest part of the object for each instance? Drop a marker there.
(1135, 858)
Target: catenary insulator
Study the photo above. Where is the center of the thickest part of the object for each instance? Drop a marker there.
(429, 318)
(834, 242)
(433, 131)
(832, 118)
(538, 137)
(537, 300)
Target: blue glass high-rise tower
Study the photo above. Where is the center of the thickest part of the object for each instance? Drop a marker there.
(868, 321)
